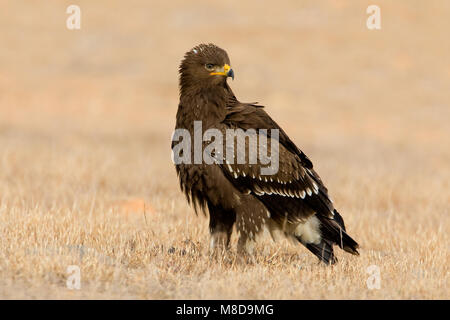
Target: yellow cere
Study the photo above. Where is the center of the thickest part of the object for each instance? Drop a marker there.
(225, 69)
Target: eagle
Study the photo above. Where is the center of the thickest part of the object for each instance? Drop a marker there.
(290, 202)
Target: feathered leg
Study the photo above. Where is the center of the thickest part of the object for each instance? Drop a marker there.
(251, 218)
(220, 226)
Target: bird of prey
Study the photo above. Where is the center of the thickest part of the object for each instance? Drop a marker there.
(292, 202)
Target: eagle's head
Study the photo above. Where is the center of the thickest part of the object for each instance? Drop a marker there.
(205, 65)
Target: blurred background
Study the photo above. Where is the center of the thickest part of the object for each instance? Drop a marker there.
(315, 65)
(339, 89)
(88, 114)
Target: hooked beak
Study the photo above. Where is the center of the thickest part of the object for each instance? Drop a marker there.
(225, 71)
(230, 73)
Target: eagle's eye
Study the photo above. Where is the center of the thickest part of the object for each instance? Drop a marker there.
(209, 66)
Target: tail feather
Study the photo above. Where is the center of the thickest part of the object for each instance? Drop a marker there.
(332, 233)
(323, 251)
(334, 230)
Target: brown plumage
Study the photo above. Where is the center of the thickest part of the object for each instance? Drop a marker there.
(292, 202)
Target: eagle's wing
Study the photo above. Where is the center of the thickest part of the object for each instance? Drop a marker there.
(253, 116)
(295, 191)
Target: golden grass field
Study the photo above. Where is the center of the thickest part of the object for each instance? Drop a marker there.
(86, 118)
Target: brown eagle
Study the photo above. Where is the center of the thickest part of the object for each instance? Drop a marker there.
(292, 202)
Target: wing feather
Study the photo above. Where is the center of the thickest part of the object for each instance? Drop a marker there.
(295, 191)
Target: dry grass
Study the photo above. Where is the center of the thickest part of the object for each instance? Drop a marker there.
(86, 118)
